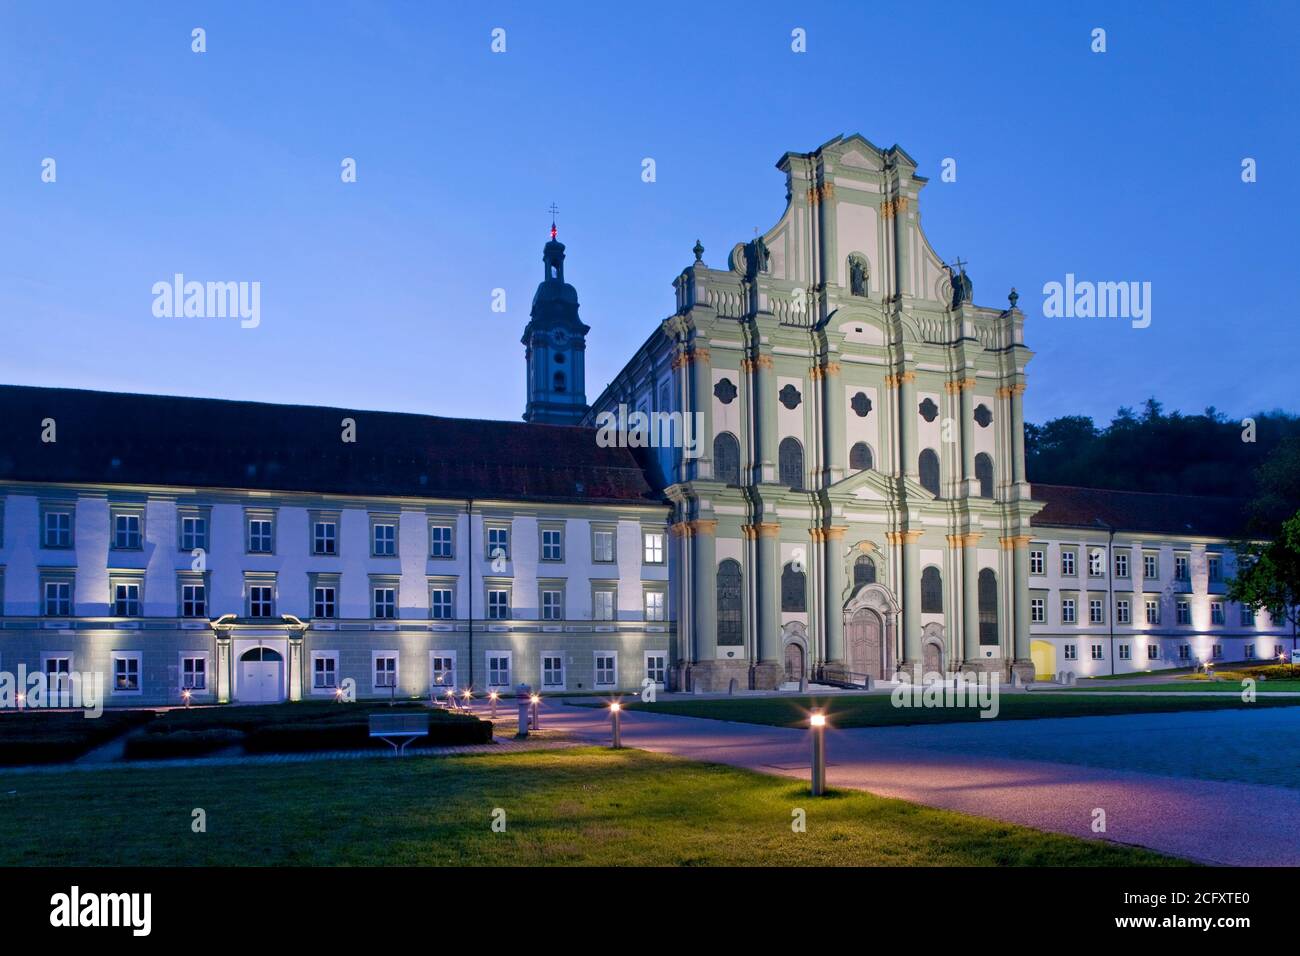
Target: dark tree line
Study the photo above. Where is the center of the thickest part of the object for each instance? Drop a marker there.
(1149, 450)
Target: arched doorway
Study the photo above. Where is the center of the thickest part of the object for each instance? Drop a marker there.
(261, 676)
(793, 662)
(864, 643)
(932, 658)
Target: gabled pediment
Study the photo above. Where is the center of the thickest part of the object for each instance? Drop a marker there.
(871, 485)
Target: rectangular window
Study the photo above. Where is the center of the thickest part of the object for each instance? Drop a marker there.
(194, 532)
(1217, 651)
(1180, 567)
(654, 605)
(1153, 612)
(1247, 617)
(1216, 612)
(1153, 652)
(498, 543)
(58, 598)
(440, 604)
(1096, 652)
(1124, 652)
(385, 601)
(385, 670)
(194, 600)
(324, 601)
(324, 672)
(1036, 561)
(552, 544)
(325, 537)
(1151, 566)
(440, 541)
(552, 670)
(1096, 563)
(126, 599)
(606, 669)
(1067, 563)
(602, 546)
(260, 600)
(1071, 652)
(260, 536)
(443, 669)
(1184, 651)
(1122, 612)
(499, 604)
(552, 605)
(1067, 610)
(1184, 613)
(498, 669)
(383, 539)
(1250, 652)
(126, 673)
(56, 530)
(126, 532)
(194, 673)
(1095, 615)
(602, 605)
(1214, 565)
(1121, 564)
(654, 547)
(656, 667)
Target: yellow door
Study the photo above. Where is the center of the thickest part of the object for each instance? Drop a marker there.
(1043, 654)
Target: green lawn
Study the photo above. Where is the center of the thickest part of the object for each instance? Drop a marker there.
(1196, 686)
(584, 806)
(877, 710)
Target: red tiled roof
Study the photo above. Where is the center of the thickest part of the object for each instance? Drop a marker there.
(1070, 507)
(117, 438)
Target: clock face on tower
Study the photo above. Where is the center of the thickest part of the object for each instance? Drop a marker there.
(558, 337)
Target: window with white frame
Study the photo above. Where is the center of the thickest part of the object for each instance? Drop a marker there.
(1096, 563)
(654, 547)
(385, 670)
(1095, 615)
(325, 670)
(194, 599)
(1150, 566)
(442, 669)
(1067, 611)
(385, 602)
(1096, 652)
(1184, 612)
(261, 536)
(1216, 612)
(324, 603)
(1153, 652)
(654, 605)
(194, 673)
(1184, 652)
(126, 672)
(126, 530)
(1037, 611)
(602, 604)
(1121, 564)
(1247, 616)
(440, 607)
(126, 598)
(1122, 611)
(1037, 560)
(261, 600)
(1250, 652)
(1216, 651)
(498, 668)
(552, 544)
(325, 537)
(498, 543)
(602, 545)
(1071, 652)
(58, 597)
(440, 541)
(194, 532)
(606, 669)
(1278, 651)
(656, 667)
(1180, 567)
(552, 670)
(56, 528)
(1124, 652)
(498, 604)
(1153, 612)
(1214, 568)
(1067, 562)
(552, 605)
(383, 539)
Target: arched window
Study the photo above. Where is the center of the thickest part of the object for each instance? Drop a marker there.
(559, 381)
(726, 458)
(864, 571)
(988, 606)
(793, 589)
(984, 473)
(729, 603)
(929, 467)
(931, 591)
(790, 463)
(860, 457)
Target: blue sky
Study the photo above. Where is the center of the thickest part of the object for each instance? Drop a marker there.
(225, 166)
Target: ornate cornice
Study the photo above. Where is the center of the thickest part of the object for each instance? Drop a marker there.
(764, 529)
(821, 193)
(959, 385)
(968, 540)
(903, 537)
(833, 533)
(893, 381)
(1015, 541)
(1007, 391)
(892, 207)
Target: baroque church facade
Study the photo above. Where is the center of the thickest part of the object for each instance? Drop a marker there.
(858, 507)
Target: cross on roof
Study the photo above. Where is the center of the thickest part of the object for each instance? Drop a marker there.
(960, 264)
(554, 210)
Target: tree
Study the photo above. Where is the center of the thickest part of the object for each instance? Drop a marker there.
(1278, 488)
(1268, 576)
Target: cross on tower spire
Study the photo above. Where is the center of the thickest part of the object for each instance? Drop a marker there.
(554, 210)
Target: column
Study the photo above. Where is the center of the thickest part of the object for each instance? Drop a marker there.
(224, 683)
(1017, 434)
(833, 441)
(295, 666)
(767, 543)
(764, 412)
(1020, 592)
(911, 599)
(967, 387)
(834, 546)
(701, 375)
(907, 445)
(704, 625)
(970, 579)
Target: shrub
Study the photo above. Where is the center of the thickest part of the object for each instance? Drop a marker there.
(36, 736)
(449, 731)
(181, 743)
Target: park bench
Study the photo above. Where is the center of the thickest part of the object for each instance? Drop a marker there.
(403, 727)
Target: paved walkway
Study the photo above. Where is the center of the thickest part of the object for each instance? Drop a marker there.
(960, 767)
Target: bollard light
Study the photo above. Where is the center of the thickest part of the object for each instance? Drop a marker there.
(818, 723)
(535, 699)
(616, 715)
(524, 704)
(493, 697)
(187, 695)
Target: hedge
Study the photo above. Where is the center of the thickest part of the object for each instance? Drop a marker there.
(181, 743)
(450, 731)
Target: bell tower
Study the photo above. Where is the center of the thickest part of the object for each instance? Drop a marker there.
(555, 344)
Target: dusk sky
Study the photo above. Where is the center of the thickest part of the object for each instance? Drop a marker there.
(225, 166)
